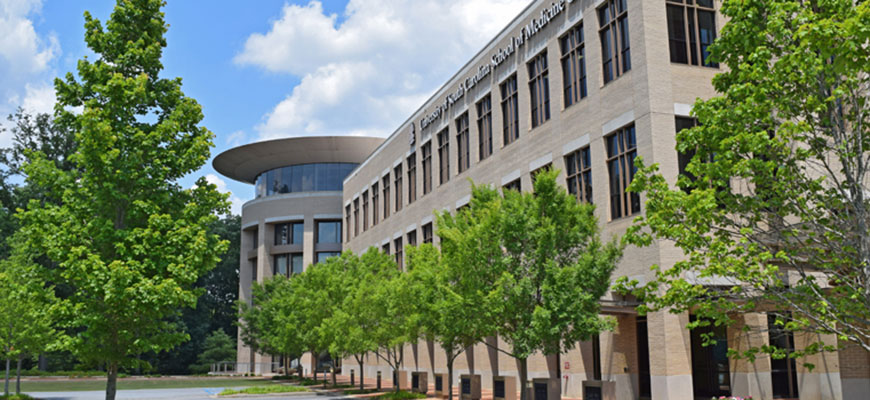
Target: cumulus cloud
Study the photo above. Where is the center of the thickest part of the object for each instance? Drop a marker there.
(236, 138)
(364, 73)
(236, 201)
(25, 61)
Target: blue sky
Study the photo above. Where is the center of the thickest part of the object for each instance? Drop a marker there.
(269, 68)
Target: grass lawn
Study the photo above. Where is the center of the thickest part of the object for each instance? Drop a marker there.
(265, 390)
(137, 383)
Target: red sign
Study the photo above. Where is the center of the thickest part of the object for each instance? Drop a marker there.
(567, 365)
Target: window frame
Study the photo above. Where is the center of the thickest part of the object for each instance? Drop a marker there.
(411, 169)
(385, 189)
(623, 159)
(694, 48)
(375, 203)
(365, 211)
(444, 156)
(510, 110)
(539, 89)
(397, 186)
(578, 174)
(463, 153)
(618, 43)
(426, 149)
(484, 127)
(573, 60)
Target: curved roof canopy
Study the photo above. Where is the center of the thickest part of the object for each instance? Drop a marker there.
(245, 163)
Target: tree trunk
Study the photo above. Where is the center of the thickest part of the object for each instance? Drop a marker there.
(6, 386)
(333, 373)
(524, 378)
(18, 375)
(449, 377)
(111, 380)
(362, 386)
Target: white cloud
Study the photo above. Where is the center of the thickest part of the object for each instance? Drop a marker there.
(25, 61)
(236, 201)
(367, 73)
(236, 138)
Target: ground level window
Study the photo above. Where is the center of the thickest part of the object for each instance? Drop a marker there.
(710, 371)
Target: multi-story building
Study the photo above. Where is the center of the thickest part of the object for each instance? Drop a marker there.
(625, 74)
(295, 218)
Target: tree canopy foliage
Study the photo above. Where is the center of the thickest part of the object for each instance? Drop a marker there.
(773, 213)
(126, 237)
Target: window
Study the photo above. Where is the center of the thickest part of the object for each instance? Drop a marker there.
(386, 184)
(321, 256)
(513, 185)
(539, 89)
(691, 30)
(534, 174)
(386, 248)
(347, 223)
(328, 231)
(579, 168)
(397, 245)
(427, 233)
(615, 49)
(484, 127)
(510, 114)
(280, 264)
(397, 175)
(296, 263)
(710, 372)
(412, 238)
(444, 156)
(463, 153)
(412, 178)
(365, 211)
(783, 371)
(374, 204)
(427, 167)
(290, 233)
(356, 217)
(621, 152)
(573, 65)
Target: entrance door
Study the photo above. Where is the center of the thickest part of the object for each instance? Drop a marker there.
(783, 373)
(710, 372)
(540, 391)
(643, 375)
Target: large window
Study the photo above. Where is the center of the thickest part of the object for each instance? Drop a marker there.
(427, 233)
(573, 65)
(427, 167)
(289, 233)
(509, 112)
(365, 211)
(356, 217)
(347, 223)
(328, 231)
(385, 182)
(303, 178)
(539, 89)
(579, 167)
(462, 153)
(321, 256)
(691, 30)
(710, 372)
(783, 371)
(621, 152)
(397, 175)
(514, 185)
(412, 238)
(375, 204)
(443, 156)
(397, 246)
(412, 178)
(615, 49)
(484, 127)
(287, 264)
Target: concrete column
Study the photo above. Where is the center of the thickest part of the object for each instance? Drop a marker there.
(750, 378)
(670, 356)
(823, 381)
(854, 371)
(308, 240)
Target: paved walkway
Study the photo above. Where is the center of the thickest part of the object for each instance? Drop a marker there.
(162, 394)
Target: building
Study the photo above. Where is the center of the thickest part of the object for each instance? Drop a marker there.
(295, 217)
(624, 76)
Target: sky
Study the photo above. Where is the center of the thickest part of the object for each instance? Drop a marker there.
(267, 69)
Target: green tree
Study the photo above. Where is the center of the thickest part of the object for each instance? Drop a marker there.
(126, 237)
(452, 310)
(549, 265)
(776, 196)
(27, 314)
(394, 304)
(271, 323)
(218, 347)
(350, 325)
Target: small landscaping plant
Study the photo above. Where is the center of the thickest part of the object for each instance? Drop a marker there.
(401, 395)
(16, 397)
(264, 390)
